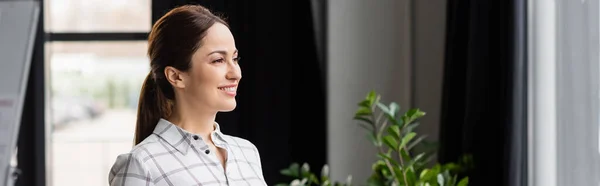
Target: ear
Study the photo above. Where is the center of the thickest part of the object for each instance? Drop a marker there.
(175, 77)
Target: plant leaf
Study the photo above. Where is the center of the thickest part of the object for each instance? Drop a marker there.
(463, 182)
(383, 108)
(305, 170)
(373, 139)
(304, 181)
(325, 172)
(389, 158)
(375, 181)
(410, 176)
(410, 128)
(414, 114)
(391, 142)
(363, 111)
(452, 180)
(292, 171)
(447, 177)
(440, 179)
(287, 172)
(399, 122)
(415, 159)
(407, 139)
(371, 97)
(313, 179)
(363, 119)
(390, 112)
(364, 103)
(404, 120)
(394, 108)
(416, 142)
(394, 121)
(428, 175)
(451, 166)
(399, 174)
(394, 130)
(423, 174)
(405, 155)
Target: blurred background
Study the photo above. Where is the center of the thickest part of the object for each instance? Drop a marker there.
(514, 83)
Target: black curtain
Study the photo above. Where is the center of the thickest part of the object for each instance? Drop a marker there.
(281, 98)
(484, 90)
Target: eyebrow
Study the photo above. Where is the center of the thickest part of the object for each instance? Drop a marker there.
(223, 52)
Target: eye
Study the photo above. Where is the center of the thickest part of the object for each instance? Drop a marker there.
(236, 59)
(220, 60)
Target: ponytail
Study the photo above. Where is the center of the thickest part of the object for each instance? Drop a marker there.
(153, 105)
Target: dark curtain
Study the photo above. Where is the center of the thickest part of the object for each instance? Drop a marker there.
(281, 98)
(484, 90)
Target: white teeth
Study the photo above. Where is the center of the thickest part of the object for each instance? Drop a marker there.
(228, 89)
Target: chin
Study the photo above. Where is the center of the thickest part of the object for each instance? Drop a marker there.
(228, 107)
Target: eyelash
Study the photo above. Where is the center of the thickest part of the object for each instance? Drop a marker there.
(237, 59)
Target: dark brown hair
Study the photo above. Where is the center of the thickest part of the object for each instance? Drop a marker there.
(172, 41)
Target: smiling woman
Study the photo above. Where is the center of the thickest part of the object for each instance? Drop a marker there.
(194, 75)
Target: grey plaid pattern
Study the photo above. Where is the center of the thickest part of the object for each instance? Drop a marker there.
(172, 156)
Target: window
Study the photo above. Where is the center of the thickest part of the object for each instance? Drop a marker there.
(97, 15)
(94, 91)
(97, 62)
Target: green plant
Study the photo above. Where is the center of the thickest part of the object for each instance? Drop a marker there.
(398, 162)
(303, 176)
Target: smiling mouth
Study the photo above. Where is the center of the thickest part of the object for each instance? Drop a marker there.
(228, 89)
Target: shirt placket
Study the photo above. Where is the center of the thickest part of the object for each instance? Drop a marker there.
(221, 144)
(203, 147)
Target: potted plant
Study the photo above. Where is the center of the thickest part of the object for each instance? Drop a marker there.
(398, 164)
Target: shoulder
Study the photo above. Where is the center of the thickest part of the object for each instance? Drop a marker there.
(128, 168)
(241, 142)
(135, 162)
(146, 148)
(250, 153)
(245, 146)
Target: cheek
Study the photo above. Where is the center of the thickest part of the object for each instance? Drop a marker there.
(206, 79)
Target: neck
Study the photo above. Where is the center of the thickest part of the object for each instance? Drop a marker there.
(193, 120)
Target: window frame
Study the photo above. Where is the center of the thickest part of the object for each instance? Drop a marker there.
(33, 153)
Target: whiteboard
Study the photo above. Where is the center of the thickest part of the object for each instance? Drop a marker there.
(18, 24)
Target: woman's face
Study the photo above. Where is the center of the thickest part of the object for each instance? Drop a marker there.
(213, 78)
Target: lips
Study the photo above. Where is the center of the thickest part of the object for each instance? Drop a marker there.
(228, 89)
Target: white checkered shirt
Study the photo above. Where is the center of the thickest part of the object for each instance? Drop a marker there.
(172, 156)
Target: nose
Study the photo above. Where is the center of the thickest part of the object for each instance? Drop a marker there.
(234, 72)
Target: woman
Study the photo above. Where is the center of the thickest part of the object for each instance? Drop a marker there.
(194, 74)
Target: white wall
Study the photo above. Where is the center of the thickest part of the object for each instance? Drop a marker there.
(365, 52)
(430, 28)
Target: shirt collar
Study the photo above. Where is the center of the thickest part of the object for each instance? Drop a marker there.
(181, 139)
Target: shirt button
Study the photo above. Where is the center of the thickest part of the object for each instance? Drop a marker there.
(195, 137)
(207, 151)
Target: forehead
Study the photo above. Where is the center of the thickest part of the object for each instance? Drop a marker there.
(218, 37)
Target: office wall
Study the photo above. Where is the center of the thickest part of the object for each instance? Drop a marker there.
(367, 51)
(365, 41)
(429, 32)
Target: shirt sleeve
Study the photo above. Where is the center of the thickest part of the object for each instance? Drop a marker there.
(259, 162)
(128, 170)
